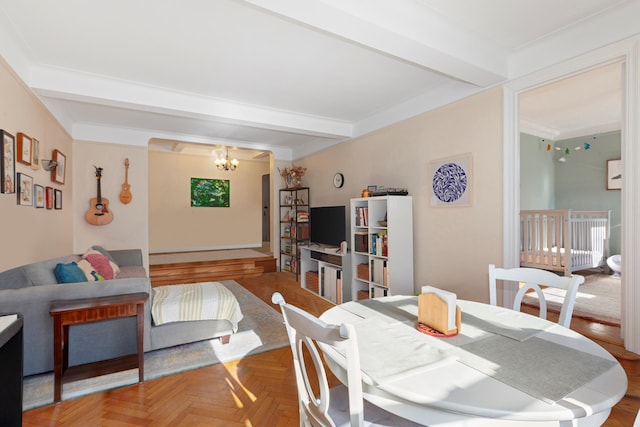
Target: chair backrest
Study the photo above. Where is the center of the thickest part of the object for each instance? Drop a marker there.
(533, 278)
(305, 330)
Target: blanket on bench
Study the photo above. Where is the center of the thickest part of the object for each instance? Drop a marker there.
(195, 301)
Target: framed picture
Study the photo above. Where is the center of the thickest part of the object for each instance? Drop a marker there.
(614, 174)
(8, 165)
(451, 181)
(49, 197)
(209, 192)
(24, 148)
(35, 154)
(57, 173)
(57, 199)
(38, 194)
(25, 189)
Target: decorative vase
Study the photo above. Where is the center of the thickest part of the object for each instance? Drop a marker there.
(296, 181)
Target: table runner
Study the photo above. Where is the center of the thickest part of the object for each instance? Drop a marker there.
(510, 353)
(380, 364)
(521, 365)
(511, 324)
(395, 309)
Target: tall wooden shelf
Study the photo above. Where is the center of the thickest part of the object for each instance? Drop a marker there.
(382, 246)
(294, 227)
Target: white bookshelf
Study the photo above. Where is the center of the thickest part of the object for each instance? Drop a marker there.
(381, 246)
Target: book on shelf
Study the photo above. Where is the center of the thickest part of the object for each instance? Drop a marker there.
(378, 243)
(302, 216)
(379, 272)
(362, 216)
(331, 284)
(377, 292)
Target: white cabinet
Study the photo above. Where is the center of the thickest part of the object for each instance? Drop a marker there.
(326, 272)
(382, 246)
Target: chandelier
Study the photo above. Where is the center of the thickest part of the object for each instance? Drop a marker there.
(223, 163)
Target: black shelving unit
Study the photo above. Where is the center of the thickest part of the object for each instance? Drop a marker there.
(294, 227)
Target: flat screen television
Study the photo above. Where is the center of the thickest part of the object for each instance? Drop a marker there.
(328, 225)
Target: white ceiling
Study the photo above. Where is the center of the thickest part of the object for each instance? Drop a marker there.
(291, 77)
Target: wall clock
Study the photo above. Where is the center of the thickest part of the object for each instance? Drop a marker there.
(338, 180)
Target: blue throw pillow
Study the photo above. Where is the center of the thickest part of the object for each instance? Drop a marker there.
(69, 273)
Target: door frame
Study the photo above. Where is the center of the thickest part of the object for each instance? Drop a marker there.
(627, 52)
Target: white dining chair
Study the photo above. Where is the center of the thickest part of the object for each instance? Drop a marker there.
(533, 278)
(336, 406)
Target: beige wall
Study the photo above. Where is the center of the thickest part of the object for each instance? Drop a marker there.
(452, 246)
(175, 225)
(29, 234)
(129, 228)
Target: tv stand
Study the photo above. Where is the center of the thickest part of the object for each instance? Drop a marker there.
(326, 272)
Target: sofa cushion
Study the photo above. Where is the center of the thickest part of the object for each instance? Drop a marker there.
(69, 273)
(15, 278)
(131, 271)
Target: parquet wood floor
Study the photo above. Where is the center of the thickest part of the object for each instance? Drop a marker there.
(258, 390)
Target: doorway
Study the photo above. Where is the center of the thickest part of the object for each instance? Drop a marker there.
(627, 52)
(266, 212)
(569, 130)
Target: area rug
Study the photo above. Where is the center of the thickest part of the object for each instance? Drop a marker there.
(598, 299)
(261, 329)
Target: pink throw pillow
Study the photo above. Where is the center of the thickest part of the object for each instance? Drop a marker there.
(101, 265)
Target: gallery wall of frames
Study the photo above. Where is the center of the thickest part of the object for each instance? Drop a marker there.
(22, 149)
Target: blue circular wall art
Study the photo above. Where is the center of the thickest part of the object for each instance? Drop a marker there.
(450, 181)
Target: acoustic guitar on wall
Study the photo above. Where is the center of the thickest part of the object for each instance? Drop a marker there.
(125, 194)
(99, 212)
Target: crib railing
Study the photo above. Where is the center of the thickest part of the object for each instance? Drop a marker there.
(563, 240)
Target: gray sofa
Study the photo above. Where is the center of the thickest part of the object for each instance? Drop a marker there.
(29, 289)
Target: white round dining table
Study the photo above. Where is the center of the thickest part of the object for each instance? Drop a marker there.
(504, 368)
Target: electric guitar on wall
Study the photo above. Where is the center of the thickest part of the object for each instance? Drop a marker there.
(99, 213)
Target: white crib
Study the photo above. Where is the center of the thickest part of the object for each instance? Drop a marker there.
(564, 240)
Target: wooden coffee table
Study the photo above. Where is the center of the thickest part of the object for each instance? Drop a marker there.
(87, 310)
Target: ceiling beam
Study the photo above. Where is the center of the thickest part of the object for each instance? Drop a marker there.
(74, 86)
(410, 32)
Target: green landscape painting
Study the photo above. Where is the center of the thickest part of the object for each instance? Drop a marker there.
(210, 192)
